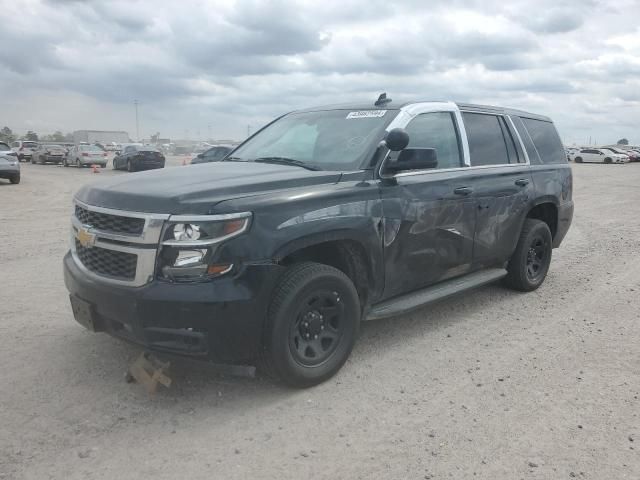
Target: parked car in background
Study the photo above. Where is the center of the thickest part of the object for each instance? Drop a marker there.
(24, 149)
(9, 164)
(139, 157)
(81, 155)
(49, 154)
(214, 154)
(633, 156)
(598, 155)
(571, 152)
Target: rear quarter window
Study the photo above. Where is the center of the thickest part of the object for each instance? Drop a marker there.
(546, 140)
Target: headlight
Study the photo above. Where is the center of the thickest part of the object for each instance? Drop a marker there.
(189, 245)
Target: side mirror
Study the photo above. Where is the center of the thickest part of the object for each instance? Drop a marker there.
(414, 159)
(397, 139)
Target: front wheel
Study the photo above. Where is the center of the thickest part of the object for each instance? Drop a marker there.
(15, 180)
(312, 324)
(129, 166)
(530, 262)
(607, 160)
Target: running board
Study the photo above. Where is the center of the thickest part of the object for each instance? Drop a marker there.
(412, 301)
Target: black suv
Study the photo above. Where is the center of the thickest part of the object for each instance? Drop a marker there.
(323, 218)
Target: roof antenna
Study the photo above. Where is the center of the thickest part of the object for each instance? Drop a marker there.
(382, 100)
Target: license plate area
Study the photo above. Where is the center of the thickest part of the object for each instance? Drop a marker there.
(83, 312)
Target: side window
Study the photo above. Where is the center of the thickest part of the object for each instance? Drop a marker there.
(487, 144)
(534, 158)
(546, 140)
(438, 131)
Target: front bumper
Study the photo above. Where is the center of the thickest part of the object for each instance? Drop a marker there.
(9, 171)
(219, 321)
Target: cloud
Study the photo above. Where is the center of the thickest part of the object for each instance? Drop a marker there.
(227, 64)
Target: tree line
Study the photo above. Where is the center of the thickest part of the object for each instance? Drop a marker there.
(7, 136)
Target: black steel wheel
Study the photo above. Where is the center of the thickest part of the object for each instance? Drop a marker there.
(312, 324)
(537, 257)
(530, 262)
(317, 329)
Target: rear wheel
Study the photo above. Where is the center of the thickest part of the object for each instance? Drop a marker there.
(530, 262)
(129, 166)
(78, 164)
(33, 160)
(312, 324)
(578, 160)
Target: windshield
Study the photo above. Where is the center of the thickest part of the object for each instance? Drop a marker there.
(4, 147)
(327, 140)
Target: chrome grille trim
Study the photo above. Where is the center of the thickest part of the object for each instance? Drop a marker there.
(144, 245)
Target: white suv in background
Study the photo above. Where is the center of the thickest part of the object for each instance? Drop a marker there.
(24, 149)
(599, 155)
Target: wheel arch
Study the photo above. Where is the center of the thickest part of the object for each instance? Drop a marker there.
(546, 209)
(342, 249)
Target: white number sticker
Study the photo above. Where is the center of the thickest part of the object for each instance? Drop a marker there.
(367, 114)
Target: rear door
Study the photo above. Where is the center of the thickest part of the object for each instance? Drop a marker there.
(501, 183)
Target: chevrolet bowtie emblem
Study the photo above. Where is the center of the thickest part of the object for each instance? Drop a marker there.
(85, 237)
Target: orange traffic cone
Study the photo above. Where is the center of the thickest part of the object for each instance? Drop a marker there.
(95, 168)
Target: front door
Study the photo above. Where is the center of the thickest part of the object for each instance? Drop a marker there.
(429, 215)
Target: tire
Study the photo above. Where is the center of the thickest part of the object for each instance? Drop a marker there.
(129, 166)
(33, 160)
(21, 158)
(530, 262)
(301, 347)
(64, 162)
(78, 164)
(577, 160)
(15, 180)
(607, 160)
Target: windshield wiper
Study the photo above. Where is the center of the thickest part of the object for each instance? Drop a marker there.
(233, 159)
(285, 161)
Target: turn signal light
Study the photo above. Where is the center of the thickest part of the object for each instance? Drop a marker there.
(219, 269)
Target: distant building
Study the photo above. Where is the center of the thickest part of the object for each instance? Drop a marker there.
(100, 136)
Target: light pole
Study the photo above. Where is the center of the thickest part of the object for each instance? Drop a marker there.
(135, 103)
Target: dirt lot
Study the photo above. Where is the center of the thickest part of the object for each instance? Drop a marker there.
(491, 384)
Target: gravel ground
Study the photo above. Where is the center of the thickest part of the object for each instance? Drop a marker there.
(492, 384)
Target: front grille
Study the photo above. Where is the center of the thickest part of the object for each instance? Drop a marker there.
(112, 263)
(110, 223)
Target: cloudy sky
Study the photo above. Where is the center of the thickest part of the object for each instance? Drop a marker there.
(197, 66)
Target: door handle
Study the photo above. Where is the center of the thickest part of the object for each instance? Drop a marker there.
(463, 190)
(522, 182)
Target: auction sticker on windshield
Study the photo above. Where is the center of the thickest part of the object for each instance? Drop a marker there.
(367, 114)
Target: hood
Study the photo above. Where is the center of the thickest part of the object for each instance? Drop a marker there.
(196, 189)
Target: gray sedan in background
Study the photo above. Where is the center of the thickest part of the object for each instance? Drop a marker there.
(81, 155)
(9, 164)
